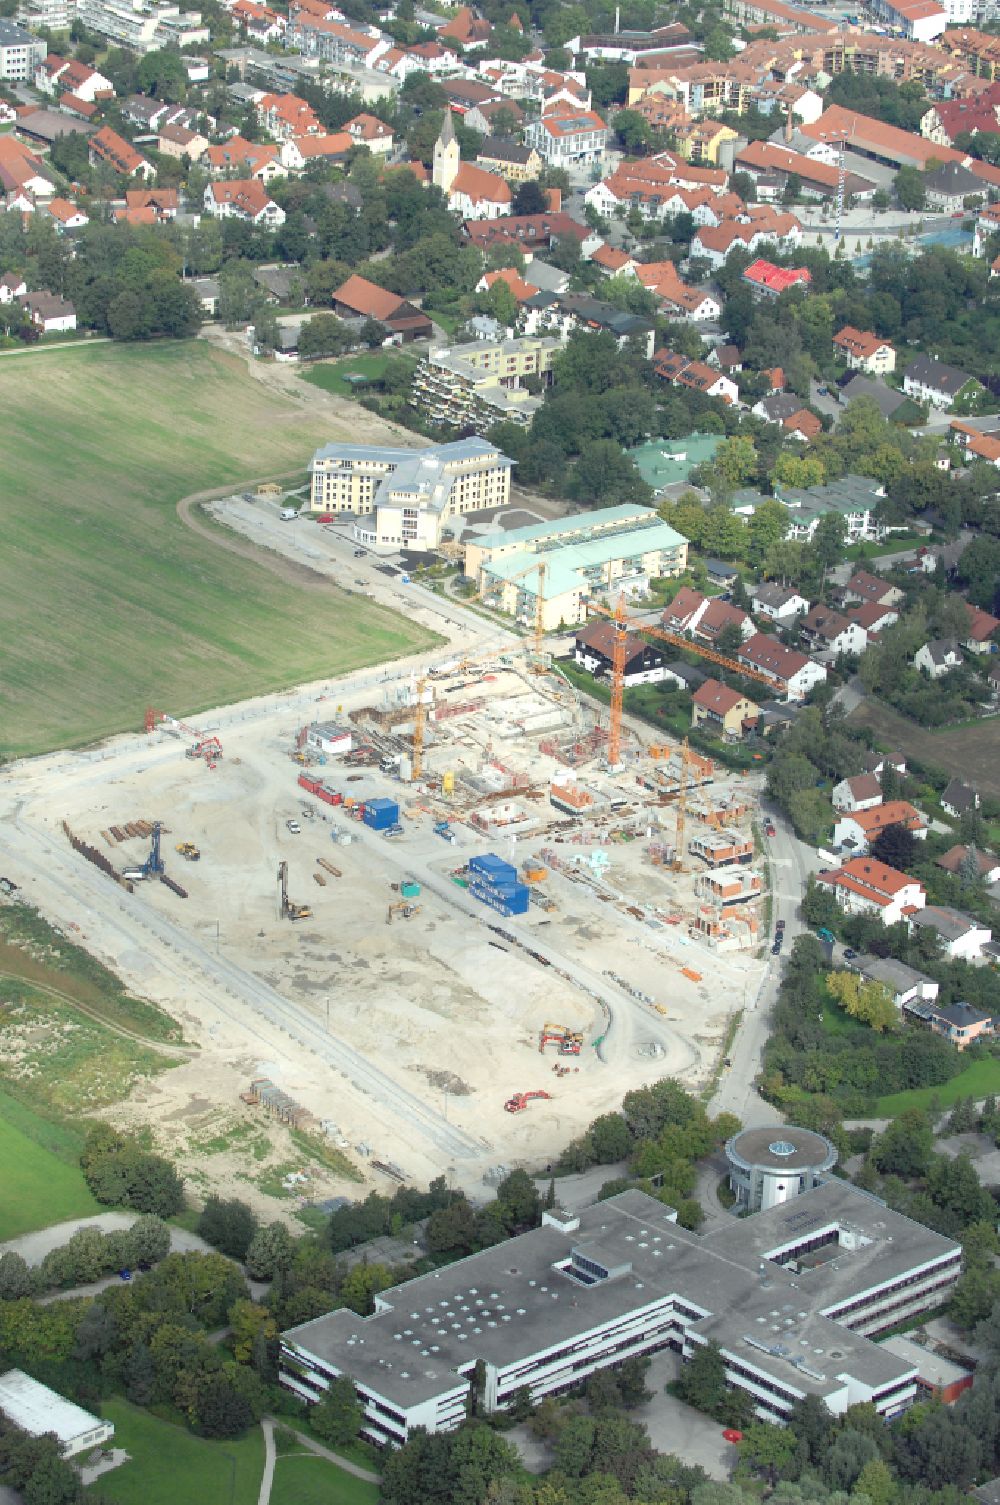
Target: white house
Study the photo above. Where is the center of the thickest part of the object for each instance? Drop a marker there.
(243, 199)
(788, 669)
(49, 313)
(962, 937)
(938, 658)
(959, 797)
(826, 630)
(860, 829)
(780, 603)
(864, 886)
(929, 380)
(862, 792)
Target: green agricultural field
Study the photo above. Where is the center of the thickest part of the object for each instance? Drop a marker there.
(41, 1182)
(109, 603)
(304, 1479)
(170, 1466)
(979, 1079)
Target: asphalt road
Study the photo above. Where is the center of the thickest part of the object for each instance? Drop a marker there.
(791, 862)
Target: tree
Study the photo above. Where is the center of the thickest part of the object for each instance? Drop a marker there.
(247, 1323)
(828, 540)
(338, 1416)
(904, 1146)
(702, 1381)
(229, 1225)
(518, 1201)
(633, 130)
(219, 1409)
(269, 1251)
(604, 474)
(610, 1139)
(162, 74)
(323, 335)
(896, 846)
(770, 1450)
(16, 1278)
(909, 188)
(870, 1002)
(529, 198)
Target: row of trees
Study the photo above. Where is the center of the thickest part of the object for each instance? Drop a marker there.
(86, 1256)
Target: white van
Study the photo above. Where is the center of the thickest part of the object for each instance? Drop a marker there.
(288, 514)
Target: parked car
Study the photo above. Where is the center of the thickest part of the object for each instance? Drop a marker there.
(294, 827)
(776, 948)
(769, 829)
(359, 553)
(779, 924)
(850, 955)
(327, 517)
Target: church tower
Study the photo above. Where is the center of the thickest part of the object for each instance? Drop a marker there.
(446, 156)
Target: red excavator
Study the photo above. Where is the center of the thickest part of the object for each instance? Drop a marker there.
(520, 1100)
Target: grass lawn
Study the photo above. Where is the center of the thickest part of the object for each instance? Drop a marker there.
(979, 1079)
(108, 602)
(332, 375)
(41, 1181)
(304, 1479)
(169, 1465)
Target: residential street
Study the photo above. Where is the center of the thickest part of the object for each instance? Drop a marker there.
(791, 863)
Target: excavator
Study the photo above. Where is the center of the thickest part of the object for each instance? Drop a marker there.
(406, 911)
(188, 850)
(570, 1042)
(520, 1101)
(288, 910)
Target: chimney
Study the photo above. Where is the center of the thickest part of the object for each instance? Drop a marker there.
(789, 128)
(618, 19)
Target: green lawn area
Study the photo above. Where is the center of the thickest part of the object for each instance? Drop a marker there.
(979, 1079)
(895, 544)
(41, 1181)
(169, 1465)
(304, 1479)
(108, 602)
(331, 375)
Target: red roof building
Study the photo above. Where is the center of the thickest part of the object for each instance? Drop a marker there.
(771, 281)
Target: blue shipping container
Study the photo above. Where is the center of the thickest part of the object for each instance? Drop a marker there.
(381, 813)
(492, 869)
(509, 899)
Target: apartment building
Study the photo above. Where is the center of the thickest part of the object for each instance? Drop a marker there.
(143, 26)
(792, 1295)
(587, 556)
(482, 384)
(403, 498)
(20, 53)
(568, 137)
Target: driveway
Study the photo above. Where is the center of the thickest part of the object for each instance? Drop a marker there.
(676, 1428)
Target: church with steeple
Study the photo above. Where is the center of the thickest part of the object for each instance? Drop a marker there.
(447, 156)
(470, 191)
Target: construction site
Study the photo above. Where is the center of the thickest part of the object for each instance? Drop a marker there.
(443, 922)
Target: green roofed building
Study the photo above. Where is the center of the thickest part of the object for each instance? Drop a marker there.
(669, 462)
(571, 560)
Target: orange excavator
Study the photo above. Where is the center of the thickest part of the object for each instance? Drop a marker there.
(520, 1101)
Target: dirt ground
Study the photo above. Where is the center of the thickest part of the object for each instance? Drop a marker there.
(402, 1039)
(969, 752)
